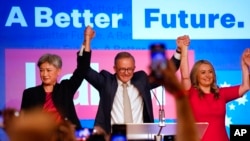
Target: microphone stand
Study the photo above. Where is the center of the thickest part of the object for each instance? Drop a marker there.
(158, 137)
(161, 111)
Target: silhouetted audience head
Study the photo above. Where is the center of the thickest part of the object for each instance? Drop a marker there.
(34, 125)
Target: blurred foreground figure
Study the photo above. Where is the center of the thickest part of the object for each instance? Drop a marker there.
(186, 129)
(34, 125)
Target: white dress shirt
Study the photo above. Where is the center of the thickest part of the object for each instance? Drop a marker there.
(117, 114)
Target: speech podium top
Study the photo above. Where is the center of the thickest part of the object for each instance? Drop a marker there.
(147, 131)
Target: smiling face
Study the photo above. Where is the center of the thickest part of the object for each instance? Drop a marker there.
(124, 68)
(205, 75)
(49, 73)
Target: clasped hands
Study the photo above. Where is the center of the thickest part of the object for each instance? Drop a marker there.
(246, 57)
(182, 41)
(89, 33)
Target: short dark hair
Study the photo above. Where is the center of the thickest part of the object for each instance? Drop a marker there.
(123, 54)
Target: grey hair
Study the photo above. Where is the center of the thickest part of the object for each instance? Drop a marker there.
(52, 59)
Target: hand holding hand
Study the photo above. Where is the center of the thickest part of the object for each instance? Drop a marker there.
(186, 40)
(89, 33)
(246, 56)
(182, 41)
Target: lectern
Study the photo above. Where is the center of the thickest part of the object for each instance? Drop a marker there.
(147, 131)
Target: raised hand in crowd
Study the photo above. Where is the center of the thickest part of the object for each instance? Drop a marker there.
(34, 125)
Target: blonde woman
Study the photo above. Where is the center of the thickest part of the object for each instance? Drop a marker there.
(208, 101)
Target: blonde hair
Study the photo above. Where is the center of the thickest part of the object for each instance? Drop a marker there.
(194, 78)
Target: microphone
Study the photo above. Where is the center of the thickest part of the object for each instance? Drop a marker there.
(161, 117)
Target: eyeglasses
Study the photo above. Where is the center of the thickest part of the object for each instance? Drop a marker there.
(123, 70)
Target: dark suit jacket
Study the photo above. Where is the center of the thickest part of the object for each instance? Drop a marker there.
(62, 95)
(106, 83)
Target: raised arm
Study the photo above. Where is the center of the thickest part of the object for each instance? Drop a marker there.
(245, 66)
(89, 34)
(176, 57)
(183, 42)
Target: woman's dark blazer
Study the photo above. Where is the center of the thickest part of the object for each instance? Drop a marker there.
(62, 95)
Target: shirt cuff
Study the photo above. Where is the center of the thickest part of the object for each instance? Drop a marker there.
(177, 55)
(81, 50)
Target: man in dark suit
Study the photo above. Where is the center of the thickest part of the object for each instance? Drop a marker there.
(51, 96)
(111, 106)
